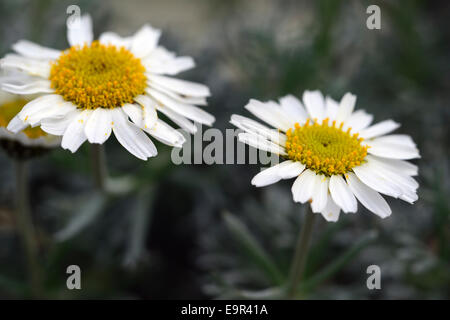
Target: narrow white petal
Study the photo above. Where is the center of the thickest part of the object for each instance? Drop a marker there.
(183, 87)
(16, 125)
(170, 67)
(320, 195)
(291, 169)
(304, 186)
(166, 134)
(32, 50)
(259, 142)
(189, 111)
(293, 107)
(346, 107)
(98, 126)
(58, 126)
(180, 120)
(400, 166)
(369, 175)
(180, 98)
(266, 177)
(342, 195)
(331, 210)
(39, 86)
(369, 198)
(131, 137)
(251, 126)
(393, 148)
(379, 129)
(80, 31)
(34, 67)
(315, 104)
(74, 135)
(48, 106)
(149, 110)
(144, 41)
(271, 114)
(135, 112)
(357, 121)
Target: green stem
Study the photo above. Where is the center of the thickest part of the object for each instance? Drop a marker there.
(301, 253)
(99, 166)
(26, 228)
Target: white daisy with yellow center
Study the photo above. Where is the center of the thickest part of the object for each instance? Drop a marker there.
(333, 152)
(114, 84)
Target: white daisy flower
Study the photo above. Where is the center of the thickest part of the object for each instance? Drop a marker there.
(333, 152)
(28, 140)
(96, 87)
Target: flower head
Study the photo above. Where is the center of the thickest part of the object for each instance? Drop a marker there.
(333, 152)
(113, 84)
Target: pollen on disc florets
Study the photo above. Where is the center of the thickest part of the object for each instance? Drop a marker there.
(10, 110)
(325, 149)
(98, 76)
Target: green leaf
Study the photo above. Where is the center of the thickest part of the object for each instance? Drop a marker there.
(252, 248)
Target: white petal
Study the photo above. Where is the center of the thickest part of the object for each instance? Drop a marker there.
(293, 107)
(111, 38)
(370, 176)
(267, 177)
(180, 120)
(259, 142)
(290, 169)
(315, 104)
(271, 114)
(369, 198)
(358, 121)
(166, 134)
(183, 87)
(331, 108)
(40, 68)
(183, 99)
(149, 110)
(74, 135)
(16, 125)
(135, 112)
(171, 67)
(32, 50)
(341, 194)
(400, 166)
(98, 126)
(379, 129)
(331, 210)
(186, 110)
(58, 126)
(251, 126)
(320, 195)
(395, 148)
(80, 31)
(346, 107)
(39, 86)
(131, 137)
(304, 186)
(144, 41)
(48, 106)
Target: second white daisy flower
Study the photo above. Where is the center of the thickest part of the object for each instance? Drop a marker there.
(333, 152)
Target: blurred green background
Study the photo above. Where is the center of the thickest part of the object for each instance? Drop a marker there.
(199, 231)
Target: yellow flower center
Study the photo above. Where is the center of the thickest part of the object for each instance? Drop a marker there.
(325, 149)
(9, 111)
(98, 76)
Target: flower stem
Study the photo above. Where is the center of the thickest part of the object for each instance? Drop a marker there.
(301, 253)
(26, 228)
(99, 166)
